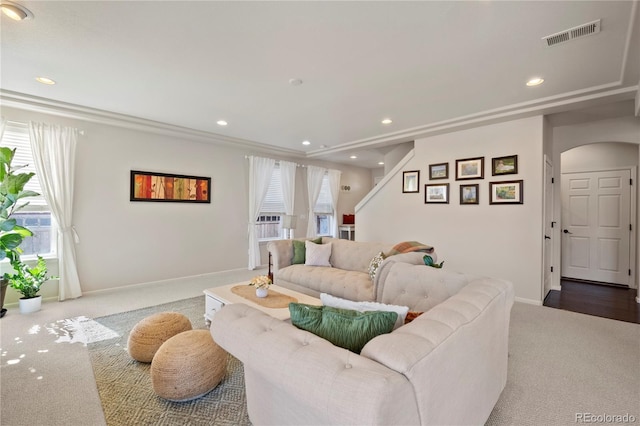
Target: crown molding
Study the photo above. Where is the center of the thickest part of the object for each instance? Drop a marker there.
(63, 109)
(549, 105)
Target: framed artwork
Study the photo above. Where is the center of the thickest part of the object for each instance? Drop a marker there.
(438, 171)
(504, 165)
(469, 194)
(436, 193)
(151, 186)
(508, 192)
(470, 168)
(411, 181)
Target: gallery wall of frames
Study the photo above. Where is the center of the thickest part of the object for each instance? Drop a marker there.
(467, 174)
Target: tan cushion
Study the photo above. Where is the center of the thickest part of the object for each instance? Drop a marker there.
(148, 335)
(187, 366)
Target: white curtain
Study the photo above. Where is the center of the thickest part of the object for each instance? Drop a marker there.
(334, 188)
(260, 170)
(3, 124)
(288, 180)
(54, 152)
(314, 185)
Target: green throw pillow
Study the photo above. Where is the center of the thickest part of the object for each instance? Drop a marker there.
(299, 251)
(342, 327)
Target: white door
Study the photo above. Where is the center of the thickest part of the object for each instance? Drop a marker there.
(548, 218)
(596, 226)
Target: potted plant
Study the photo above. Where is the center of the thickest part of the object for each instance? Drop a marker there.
(261, 283)
(27, 281)
(12, 194)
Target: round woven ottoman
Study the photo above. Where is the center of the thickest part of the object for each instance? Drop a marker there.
(149, 334)
(187, 366)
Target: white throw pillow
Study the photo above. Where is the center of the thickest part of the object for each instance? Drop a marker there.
(336, 302)
(317, 254)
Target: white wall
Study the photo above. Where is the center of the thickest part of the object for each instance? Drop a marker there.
(503, 241)
(598, 156)
(124, 242)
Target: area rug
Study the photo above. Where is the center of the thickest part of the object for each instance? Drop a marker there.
(125, 386)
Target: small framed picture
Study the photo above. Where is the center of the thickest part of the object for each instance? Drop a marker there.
(436, 193)
(411, 181)
(470, 168)
(509, 192)
(438, 171)
(469, 194)
(504, 165)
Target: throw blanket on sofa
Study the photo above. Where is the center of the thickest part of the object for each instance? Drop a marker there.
(409, 246)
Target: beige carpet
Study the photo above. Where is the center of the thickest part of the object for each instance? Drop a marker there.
(124, 385)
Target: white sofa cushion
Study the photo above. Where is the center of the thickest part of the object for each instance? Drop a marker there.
(317, 254)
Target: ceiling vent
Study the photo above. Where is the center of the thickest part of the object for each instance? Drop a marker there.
(573, 33)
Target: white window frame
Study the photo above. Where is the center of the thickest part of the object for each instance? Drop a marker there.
(16, 135)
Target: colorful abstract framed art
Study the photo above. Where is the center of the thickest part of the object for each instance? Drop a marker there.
(164, 187)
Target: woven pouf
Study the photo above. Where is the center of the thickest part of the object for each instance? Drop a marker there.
(149, 334)
(187, 366)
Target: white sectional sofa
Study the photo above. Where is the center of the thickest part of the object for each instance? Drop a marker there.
(446, 367)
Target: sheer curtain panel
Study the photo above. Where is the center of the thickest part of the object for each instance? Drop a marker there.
(3, 124)
(314, 184)
(334, 188)
(54, 152)
(288, 179)
(260, 170)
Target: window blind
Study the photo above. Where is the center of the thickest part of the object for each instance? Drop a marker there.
(323, 205)
(16, 135)
(274, 202)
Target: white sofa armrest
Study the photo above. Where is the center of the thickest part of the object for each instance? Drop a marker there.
(455, 354)
(295, 377)
(281, 253)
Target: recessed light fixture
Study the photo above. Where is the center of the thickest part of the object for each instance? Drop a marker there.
(15, 11)
(380, 163)
(306, 143)
(221, 123)
(387, 121)
(353, 157)
(535, 81)
(45, 80)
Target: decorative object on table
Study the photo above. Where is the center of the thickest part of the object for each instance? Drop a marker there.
(506, 192)
(27, 281)
(469, 194)
(428, 260)
(261, 283)
(348, 219)
(164, 187)
(146, 337)
(411, 181)
(12, 195)
(507, 165)
(470, 168)
(438, 171)
(436, 193)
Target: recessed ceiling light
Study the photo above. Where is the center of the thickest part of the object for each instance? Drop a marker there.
(45, 80)
(387, 121)
(380, 163)
(15, 11)
(535, 81)
(221, 123)
(306, 143)
(353, 157)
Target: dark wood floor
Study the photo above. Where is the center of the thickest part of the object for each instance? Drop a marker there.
(618, 303)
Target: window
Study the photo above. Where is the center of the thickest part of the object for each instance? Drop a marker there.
(323, 209)
(37, 215)
(273, 207)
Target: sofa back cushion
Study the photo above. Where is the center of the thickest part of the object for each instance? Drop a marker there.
(354, 255)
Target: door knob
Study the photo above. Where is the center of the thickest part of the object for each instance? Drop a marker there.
(546, 237)
(566, 231)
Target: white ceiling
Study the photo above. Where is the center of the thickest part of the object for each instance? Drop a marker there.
(427, 65)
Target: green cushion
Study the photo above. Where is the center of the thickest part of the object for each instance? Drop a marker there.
(299, 251)
(342, 327)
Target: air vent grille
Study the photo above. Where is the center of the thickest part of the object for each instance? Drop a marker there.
(573, 33)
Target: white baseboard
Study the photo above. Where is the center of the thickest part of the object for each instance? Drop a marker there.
(529, 301)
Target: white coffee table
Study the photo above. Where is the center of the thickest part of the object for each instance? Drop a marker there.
(217, 297)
